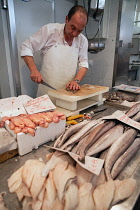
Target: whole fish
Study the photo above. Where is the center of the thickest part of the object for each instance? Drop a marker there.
(133, 110)
(82, 141)
(136, 117)
(118, 148)
(106, 140)
(98, 131)
(75, 138)
(125, 158)
(70, 132)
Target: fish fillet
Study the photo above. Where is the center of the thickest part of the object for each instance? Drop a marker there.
(26, 204)
(103, 195)
(71, 198)
(123, 189)
(86, 201)
(56, 158)
(15, 180)
(50, 193)
(83, 175)
(57, 205)
(2, 203)
(29, 169)
(38, 180)
(61, 176)
(37, 203)
(97, 180)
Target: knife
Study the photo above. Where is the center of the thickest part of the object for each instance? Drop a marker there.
(46, 84)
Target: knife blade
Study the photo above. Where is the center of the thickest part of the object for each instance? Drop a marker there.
(46, 84)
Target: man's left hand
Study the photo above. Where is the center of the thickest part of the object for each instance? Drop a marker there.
(73, 85)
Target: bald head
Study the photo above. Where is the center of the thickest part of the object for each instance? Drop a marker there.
(78, 9)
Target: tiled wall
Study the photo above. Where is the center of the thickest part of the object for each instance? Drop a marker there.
(101, 64)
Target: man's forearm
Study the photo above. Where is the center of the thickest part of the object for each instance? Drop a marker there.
(30, 63)
(81, 73)
(34, 73)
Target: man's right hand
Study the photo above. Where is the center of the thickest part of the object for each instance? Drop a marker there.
(36, 76)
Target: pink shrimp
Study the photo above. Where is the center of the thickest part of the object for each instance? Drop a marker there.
(56, 119)
(17, 130)
(27, 122)
(17, 122)
(11, 125)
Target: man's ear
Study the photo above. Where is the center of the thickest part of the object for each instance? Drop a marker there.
(67, 18)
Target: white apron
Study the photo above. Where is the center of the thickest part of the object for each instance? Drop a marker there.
(58, 67)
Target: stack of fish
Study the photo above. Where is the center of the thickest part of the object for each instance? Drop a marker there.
(94, 138)
(62, 184)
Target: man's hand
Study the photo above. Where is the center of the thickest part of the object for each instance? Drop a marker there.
(73, 85)
(36, 76)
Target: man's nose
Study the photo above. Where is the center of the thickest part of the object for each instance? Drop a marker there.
(75, 33)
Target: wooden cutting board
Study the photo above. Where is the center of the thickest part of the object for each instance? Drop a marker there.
(86, 91)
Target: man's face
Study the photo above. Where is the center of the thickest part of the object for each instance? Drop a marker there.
(75, 25)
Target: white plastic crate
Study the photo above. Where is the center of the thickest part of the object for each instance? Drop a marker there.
(27, 142)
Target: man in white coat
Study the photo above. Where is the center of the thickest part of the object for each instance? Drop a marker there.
(64, 50)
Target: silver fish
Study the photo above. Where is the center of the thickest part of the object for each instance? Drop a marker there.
(75, 138)
(133, 110)
(125, 158)
(73, 129)
(118, 148)
(106, 140)
(136, 117)
(96, 133)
